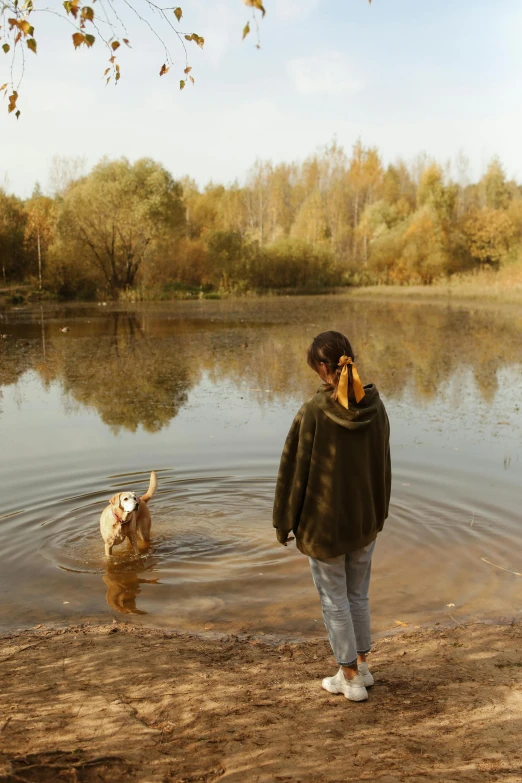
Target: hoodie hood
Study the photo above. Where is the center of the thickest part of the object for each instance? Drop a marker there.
(358, 415)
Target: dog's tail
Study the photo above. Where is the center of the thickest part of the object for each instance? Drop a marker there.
(152, 488)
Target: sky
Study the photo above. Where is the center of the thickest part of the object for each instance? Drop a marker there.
(407, 76)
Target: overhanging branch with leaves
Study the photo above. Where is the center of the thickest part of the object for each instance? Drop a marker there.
(102, 22)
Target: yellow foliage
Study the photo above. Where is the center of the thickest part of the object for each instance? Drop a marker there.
(489, 234)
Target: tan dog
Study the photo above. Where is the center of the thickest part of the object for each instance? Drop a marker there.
(127, 516)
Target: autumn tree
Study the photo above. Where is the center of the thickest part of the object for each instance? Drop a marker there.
(283, 199)
(489, 233)
(13, 258)
(332, 185)
(202, 208)
(495, 191)
(398, 187)
(364, 180)
(310, 222)
(216, 207)
(424, 254)
(435, 192)
(116, 214)
(377, 220)
(41, 212)
(260, 214)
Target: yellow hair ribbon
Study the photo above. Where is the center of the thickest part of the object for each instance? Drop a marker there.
(342, 389)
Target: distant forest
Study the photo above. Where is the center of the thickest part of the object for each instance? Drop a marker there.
(333, 220)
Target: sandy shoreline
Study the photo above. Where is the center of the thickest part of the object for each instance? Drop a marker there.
(120, 703)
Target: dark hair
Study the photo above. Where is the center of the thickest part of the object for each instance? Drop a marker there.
(327, 348)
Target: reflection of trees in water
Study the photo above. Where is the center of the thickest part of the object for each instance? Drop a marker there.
(15, 359)
(268, 360)
(129, 379)
(13, 364)
(137, 368)
(423, 348)
(419, 348)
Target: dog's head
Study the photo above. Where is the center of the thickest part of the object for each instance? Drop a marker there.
(127, 502)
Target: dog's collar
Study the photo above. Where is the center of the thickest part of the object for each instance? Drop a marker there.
(119, 519)
(123, 521)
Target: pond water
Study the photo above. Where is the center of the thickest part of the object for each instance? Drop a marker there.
(204, 392)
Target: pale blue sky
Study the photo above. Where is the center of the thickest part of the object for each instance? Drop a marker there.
(405, 75)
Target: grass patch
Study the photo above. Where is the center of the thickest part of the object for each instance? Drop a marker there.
(484, 285)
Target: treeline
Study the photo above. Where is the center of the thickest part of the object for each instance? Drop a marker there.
(332, 220)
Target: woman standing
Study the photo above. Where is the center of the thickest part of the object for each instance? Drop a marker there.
(333, 493)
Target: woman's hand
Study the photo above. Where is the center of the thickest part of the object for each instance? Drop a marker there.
(283, 537)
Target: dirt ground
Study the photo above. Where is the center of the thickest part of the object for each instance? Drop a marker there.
(118, 703)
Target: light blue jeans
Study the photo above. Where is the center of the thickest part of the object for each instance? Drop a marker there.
(343, 583)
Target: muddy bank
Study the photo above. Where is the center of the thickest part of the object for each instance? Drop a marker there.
(113, 703)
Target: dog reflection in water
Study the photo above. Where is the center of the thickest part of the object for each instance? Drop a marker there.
(123, 589)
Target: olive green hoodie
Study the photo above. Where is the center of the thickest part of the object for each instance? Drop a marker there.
(334, 482)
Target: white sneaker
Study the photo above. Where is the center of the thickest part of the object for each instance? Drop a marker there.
(366, 675)
(353, 689)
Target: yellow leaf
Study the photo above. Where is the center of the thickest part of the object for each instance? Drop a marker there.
(78, 39)
(188, 69)
(399, 622)
(196, 38)
(31, 43)
(106, 71)
(12, 101)
(192, 79)
(3, 87)
(115, 45)
(246, 30)
(255, 4)
(24, 26)
(87, 13)
(181, 84)
(178, 13)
